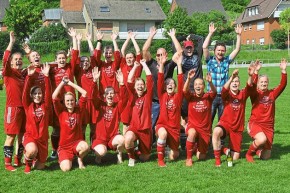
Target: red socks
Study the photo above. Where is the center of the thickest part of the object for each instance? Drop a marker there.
(8, 165)
(131, 153)
(251, 152)
(217, 156)
(28, 165)
(160, 154)
(189, 149)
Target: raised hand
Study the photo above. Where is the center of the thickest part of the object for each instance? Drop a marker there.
(283, 64)
(208, 77)
(65, 80)
(191, 73)
(26, 48)
(79, 37)
(69, 52)
(120, 77)
(99, 35)
(114, 36)
(45, 69)
(177, 57)
(239, 29)
(89, 36)
(136, 63)
(96, 74)
(211, 28)
(251, 69)
(72, 32)
(132, 34)
(171, 32)
(30, 70)
(258, 65)
(12, 37)
(235, 73)
(153, 31)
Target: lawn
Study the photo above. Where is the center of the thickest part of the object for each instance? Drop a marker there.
(262, 176)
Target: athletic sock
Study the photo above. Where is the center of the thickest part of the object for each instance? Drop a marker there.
(258, 152)
(160, 154)
(217, 156)
(251, 152)
(28, 164)
(8, 152)
(18, 157)
(131, 153)
(189, 149)
(225, 150)
(54, 142)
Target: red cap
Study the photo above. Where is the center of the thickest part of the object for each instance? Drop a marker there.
(187, 44)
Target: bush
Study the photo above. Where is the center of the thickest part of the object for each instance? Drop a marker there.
(49, 47)
(4, 41)
(279, 37)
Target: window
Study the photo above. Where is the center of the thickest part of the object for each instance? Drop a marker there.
(253, 41)
(104, 9)
(245, 27)
(260, 25)
(147, 10)
(248, 41)
(262, 41)
(250, 27)
(256, 11)
(105, 27)
(253, 11)
(139, 27)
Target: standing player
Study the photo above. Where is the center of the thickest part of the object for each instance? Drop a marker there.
(140, 125)
(14, 121)
(108, 118)
(108, 67)
(127, 63)
(262, 119)
(71, 141)
(199, 123)
(233, 118)
(37, 109)
(168, 124)
(218, 65)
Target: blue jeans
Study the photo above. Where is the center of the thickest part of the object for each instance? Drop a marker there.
(217, 105)
(154, 116)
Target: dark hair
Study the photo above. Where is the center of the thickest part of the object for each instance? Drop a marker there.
(33, 89)
(85, 57)
(108, 48)
(220, 44)
(168, 80)
(139, 78)
(134, 55)
(108, 89)
(16, 53)
(60, 52)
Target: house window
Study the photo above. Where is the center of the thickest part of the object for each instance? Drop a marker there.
(262, 41)
(256, 11)
(245, 27)
(253, 41)
(260, 25)
(104, 9)
(250, 27)
(139, 27)
(249, 12)
(105, 27)
(147, 10)
(248, 41)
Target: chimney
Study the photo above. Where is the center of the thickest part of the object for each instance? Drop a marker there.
(71, 5)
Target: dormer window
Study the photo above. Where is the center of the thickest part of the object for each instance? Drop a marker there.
(147, 10)
(253, 11)
(104, 9)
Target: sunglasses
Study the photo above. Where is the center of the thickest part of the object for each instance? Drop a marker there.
(158, 55)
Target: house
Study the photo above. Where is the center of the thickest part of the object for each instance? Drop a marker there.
(112, 15)
(259, 19)
(4, 4)
(192, 6)
(51, 16)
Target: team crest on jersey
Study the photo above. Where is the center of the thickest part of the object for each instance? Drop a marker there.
(109, 71)
(236, 104)
(71, 121)
(38, 112)
(139, 104)
(200, 106)
(266, 101)
(170, 104)
(108, 115)
(89, 75)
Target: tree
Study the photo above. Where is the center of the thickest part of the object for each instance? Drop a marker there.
(50, 33)
(285, 23)
(24, 16)
(236, 6)
(165, 6)
(279, 37)
(180, 21)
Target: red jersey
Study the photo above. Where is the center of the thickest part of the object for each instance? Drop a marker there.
(108, 70)
(70, 123)
(37, 115)
(199, 110)
(126, 69)
(263, 103)
(170, 105)
(108, 117)
(141, 112)
(56, 74)
(14, 82)
(233, 116)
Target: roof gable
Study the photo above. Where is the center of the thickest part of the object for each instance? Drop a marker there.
(124, 10)
(51, 14)
(73, 17)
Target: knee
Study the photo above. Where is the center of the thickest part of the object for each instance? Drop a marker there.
(162, 134)
(30, 153)
(65, 167)
(144, 157)
(100, 150)
(174, 155)
(262, 139)
(217, 132)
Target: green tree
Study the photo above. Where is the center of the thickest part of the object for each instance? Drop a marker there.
(180, 21)
(24, 16)
(50, 33)
(279, 37)
(236, 6)
(285, 23)
(165, 6)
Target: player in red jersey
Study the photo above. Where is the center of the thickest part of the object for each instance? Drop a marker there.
(168, 123)
(232, 120)
(262, 119)
(71, 141)
(62, 69)
(108, 118)
(37, 108)
(140, 125)
(127, 63)
(14, 121)
(199, 116)
(108, 67)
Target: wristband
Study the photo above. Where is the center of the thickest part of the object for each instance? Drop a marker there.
(64, 82)
(99, 41)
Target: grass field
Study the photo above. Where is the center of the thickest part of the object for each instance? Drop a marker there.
(262, 176)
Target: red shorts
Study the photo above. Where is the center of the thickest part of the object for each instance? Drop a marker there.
(235, 138)
(88, 113)
(14, 120)
(126, 114)
(68, 152)
(173, 136)
(256, 128)
(41, 146)
(145, 139)
(203, 139)
(108, 143)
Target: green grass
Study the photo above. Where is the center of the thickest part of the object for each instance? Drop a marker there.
(262, 176)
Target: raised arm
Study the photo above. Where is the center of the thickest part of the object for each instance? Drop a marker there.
(238, 30)
(72, 33)
(190, 75)
(79, 41)
(91, 46)
(251, 70)
(211, 30)
(145, 67)
(177, 58)
(234, 74)
(132, 72)
(99, 40)
(11, 42)
(146, 47)
(26, 99)
(283, 82)
(176, 43)
(209, 80)
(125, 44)
(114, 37)
(47, 97)
(136, 46)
